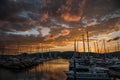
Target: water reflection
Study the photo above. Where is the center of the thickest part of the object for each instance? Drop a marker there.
(51, 70)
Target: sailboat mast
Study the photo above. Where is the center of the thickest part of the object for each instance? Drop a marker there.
(83, 43)
(74, 46)
(108, 50)
(104, 47)
(97, 47)
(88, 43)
(115, 48)
(74, 60)
(94, 47)
(118, 46)
(77, 45)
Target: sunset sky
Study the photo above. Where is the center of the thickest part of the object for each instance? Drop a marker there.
(57, 23)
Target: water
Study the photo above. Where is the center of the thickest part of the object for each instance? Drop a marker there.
(51, 70)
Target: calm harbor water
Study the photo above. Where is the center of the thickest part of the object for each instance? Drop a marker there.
(51, 70)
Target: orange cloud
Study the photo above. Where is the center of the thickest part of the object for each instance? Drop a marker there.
(114, 39)
(92, 24)
(65, 32)
(51, 37)
(70, 18)
(44, 17)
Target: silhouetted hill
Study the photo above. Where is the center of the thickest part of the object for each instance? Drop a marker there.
(65, 55)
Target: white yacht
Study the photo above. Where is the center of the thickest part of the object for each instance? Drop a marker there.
(88, 73)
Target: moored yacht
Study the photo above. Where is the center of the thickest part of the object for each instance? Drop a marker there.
(88, 73)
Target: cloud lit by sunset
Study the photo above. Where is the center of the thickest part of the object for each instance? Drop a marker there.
(70, 18)
(57, 23)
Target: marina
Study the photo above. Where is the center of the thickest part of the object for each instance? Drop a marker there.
(72, 69)
(59, 39)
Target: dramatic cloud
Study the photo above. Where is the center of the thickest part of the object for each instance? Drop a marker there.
(44, 31)
(51, 37)
(27, 32)
(113, 15)
(55, 21)
(70, 18)
(69, 14)
(91, 24)
(107, 36)
(65, 32)
(44, 17)
(114, 39)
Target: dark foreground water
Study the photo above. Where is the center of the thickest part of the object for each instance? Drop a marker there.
(51, 70)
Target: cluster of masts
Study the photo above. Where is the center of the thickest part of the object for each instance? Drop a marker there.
(18, 48)
(98, 48)
(76, 47)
